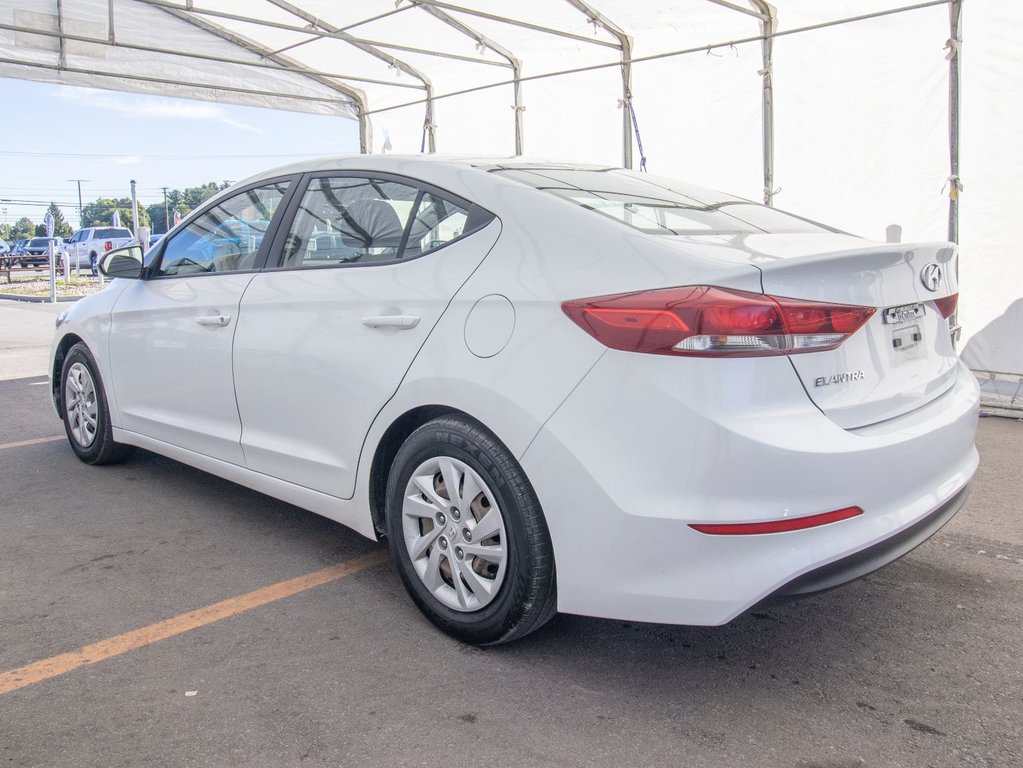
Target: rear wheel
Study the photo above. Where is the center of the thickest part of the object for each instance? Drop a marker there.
(83, 406)
(467, 534)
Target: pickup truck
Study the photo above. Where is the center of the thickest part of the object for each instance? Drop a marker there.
(87, 245)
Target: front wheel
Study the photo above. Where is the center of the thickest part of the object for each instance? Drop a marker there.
(467, 534)
(83, 406)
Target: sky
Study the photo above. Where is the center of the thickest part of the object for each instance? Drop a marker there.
(50, 134)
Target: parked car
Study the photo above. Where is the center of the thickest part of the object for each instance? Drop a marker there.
(37, 251)
(86, 245)
(549, 387)
(19, 249)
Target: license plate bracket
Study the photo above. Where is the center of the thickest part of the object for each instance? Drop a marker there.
(903, 314)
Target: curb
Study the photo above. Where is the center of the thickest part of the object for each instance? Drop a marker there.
(39, 299)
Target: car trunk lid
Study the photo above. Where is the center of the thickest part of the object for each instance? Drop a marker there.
(903, 357)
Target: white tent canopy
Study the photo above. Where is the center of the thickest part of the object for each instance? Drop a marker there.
(839, 110)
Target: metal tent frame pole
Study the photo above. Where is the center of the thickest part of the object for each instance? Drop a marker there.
(625, 47)
(955, 46)
(485, 42)
(357, 96)
(429, 126)
(768, 26)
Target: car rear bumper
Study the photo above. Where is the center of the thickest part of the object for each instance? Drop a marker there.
(647, 445)
(868, 560)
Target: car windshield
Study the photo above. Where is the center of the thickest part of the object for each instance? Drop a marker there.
(39, 242)
(657, 205)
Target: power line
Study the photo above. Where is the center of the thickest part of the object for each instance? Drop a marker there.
(160, 157)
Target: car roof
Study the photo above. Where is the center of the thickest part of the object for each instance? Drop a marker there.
(408, 164)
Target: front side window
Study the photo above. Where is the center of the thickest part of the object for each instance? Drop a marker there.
(348, 219)
(227, 237)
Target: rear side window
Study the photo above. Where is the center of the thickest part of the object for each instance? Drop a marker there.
(344, 220)
(365, 220)
(111, 232)
(658, 207)
(437, 221)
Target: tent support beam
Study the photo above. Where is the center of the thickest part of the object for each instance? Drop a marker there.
(169, 81)
(297, 69)
(485, 42)
(759, 14)
(62, 42)
(955, 45)
(516, 23)
(354, 94)
(428, 124)
(768, 26)
(429, 52)
(625, 46)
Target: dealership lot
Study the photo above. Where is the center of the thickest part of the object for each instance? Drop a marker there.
(916, 665)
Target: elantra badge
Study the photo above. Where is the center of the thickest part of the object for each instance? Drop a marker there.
(930, 276)
(839, 378)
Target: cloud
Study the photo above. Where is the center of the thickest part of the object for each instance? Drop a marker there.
(126, 160)
(153, 107)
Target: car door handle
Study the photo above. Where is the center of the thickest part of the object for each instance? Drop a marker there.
(218, 321)
(392, 321)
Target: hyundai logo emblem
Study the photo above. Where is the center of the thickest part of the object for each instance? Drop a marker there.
(931, 276)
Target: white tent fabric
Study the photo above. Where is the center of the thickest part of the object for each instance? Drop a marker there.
(861, 109)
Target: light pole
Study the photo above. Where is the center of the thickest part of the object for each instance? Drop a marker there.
(79, 181)
(166, 212)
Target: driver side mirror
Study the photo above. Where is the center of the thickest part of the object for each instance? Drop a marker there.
(123, 262)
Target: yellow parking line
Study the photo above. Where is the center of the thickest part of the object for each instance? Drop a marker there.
(139, 638)
(36, 441)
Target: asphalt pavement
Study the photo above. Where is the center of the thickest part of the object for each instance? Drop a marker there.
(916, 665)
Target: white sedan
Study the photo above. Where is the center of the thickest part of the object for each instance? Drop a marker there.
(550, 387)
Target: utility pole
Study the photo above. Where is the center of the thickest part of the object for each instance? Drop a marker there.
(134, 210)
(79, 200)
(166, 212)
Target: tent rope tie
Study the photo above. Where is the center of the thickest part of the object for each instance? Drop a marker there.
(954, 185)
(627, 104)
(427, 127)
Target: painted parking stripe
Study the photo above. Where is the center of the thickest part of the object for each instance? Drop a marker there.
(161, 630)
(36, 441)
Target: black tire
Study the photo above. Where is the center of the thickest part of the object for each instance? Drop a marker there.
(101, 449)
(527, 596)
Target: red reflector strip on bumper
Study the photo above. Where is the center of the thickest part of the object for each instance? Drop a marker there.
(777, 526)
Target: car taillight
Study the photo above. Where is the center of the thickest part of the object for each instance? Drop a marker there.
(107, 245)
(947, 305)
(705, 321)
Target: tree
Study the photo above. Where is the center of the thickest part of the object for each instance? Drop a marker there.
(100, 213)
(23, 229)
(60, 226)
(181, 201)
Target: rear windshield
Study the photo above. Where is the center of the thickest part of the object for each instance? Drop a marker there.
(110, 232)
(657, 205)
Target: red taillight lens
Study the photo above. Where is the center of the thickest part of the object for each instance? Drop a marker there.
(777, 526)
(706, 321)
(947, 305)
(107, 245)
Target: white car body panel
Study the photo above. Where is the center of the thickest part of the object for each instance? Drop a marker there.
(174, 380)
(304, 346)
(295, 395)
(724, 441)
